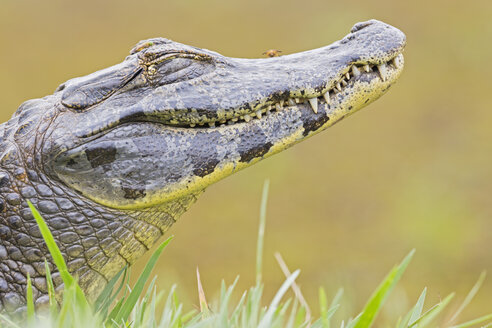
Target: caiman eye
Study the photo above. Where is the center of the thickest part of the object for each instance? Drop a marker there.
(151, 70)
(175, 67)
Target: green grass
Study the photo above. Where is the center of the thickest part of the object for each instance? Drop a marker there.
(122, 306)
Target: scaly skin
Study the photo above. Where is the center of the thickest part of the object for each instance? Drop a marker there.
(112, 159)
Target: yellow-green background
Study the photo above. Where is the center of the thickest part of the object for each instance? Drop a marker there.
(411, 171)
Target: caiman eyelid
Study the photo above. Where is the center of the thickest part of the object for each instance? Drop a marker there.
(173, 55)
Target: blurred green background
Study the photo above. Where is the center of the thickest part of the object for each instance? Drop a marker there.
(413, 170)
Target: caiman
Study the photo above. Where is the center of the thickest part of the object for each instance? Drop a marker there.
(112, 159)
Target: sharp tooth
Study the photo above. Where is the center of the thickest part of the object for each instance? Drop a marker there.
(339, 87)
(344, 83)
(367, 68)
(383, 71)
(347, 75)
(291, 102)
(355, 71)
(258, 113)
(278, 107)
(297, 100)
(326, 95)
(282, 103)
(269, 108)
(192, 125)
(247, 118)
(234, 119)
(314, 104)
(398, 61)
(394, 62)
(211, 124)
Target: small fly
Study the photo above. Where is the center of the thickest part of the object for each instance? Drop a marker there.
(272, 53)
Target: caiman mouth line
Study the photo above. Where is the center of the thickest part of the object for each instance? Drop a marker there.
(326, 96)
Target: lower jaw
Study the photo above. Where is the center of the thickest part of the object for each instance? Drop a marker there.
(235, 147)
(281, 130)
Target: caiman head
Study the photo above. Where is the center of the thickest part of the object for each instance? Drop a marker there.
(172, 119)
(141, 139)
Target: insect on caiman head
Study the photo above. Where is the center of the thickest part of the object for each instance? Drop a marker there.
(172, 119)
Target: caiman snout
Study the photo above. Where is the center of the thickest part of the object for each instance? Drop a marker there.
(192, 116)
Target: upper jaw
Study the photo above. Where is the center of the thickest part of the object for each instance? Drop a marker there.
(242, 89)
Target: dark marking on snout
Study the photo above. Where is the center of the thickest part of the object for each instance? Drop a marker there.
(254, 143)
(282, 95)
(206, 168)
(133, 193)
(313, 123)
(101, 154)
(255, 152)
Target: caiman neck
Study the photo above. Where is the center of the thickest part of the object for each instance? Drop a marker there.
(96, 241)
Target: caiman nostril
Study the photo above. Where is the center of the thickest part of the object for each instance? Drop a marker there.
(359, 26)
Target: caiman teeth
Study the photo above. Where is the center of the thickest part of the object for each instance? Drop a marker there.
(339, 87)
(398, 61)
(355, 71)
(383, 71)
(278, 107)
(367, 68)
(258, 113)
(291, 102)
(247, 118)
(314, 104)
(326, 95)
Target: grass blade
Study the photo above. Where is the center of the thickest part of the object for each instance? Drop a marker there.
(295, 288)
(469, 297)
(417, 309)
(265, 322)
(108, 290)
(7, 321)
(337, 298)
(201, 296)
(132, 299)
(67, 278)
(52, 247)
(261, 232)
(474, 322)
(377, 300)
(432, 313)
(30, 301)
(51, 291)
(323, 305)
